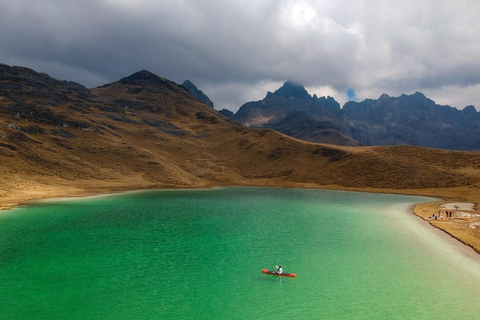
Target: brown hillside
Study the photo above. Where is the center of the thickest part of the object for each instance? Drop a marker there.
(150, 128)
(58, 138)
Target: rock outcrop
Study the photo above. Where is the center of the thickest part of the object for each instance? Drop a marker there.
(144, 131)
(411, 120)
(227, 113)
(406, 120)
(293, 111)
(202, 97)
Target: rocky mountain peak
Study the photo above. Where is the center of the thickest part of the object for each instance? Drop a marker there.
(194, 91)
(419, 95)
(146, 81)
(141, 77)
(470, 110)
(190, 86)
(227, 113)
(22, 84)
(292, 89)
(384, 96)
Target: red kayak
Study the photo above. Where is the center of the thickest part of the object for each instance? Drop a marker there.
(273, 273)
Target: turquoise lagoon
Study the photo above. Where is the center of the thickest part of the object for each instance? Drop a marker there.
(198, 254)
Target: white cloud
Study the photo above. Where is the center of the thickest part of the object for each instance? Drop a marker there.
(324, 91)
(233, 95)
(455, 96)
(233, 49)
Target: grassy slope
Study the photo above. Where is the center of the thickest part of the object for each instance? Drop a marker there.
(201, 148)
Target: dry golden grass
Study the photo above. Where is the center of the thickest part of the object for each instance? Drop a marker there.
(209, 150)
(465, 229)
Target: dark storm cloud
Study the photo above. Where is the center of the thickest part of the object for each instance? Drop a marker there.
(235, 50)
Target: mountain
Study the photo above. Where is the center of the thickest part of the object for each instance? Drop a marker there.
(58, 138)
(202, 97)
(304, 126)
(292, 111)
(227, 113)
(406, 120)
(412, 120)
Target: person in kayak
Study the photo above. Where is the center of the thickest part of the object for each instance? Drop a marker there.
(279, 269)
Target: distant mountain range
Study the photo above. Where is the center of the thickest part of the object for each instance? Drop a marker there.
(292, 111)
(144, 131)
(58, 139)
(406, 120)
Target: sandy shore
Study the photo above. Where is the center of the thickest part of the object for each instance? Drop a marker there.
(467, 250)
(464, 225)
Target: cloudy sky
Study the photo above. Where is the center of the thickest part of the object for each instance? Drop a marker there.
(236, 50)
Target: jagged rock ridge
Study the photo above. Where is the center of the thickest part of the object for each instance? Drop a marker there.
(405, 120)
(227, 113)
(143, 131)
(411, 120)
(293, 111)
(202, 97)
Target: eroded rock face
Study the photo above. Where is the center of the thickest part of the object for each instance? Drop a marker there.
(411, 120)
(147, 131)
(405, 120)
(227, 113)
(290, 98)
(202, 97)
(22, 84)
(292, 111)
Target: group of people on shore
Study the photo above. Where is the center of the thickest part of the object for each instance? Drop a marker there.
(448, 215)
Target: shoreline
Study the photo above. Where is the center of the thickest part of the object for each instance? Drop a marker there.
(105, 192)
(444, 225)
(465, 248)
(67, 195)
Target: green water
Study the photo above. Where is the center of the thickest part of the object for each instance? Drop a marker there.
(199, 254)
